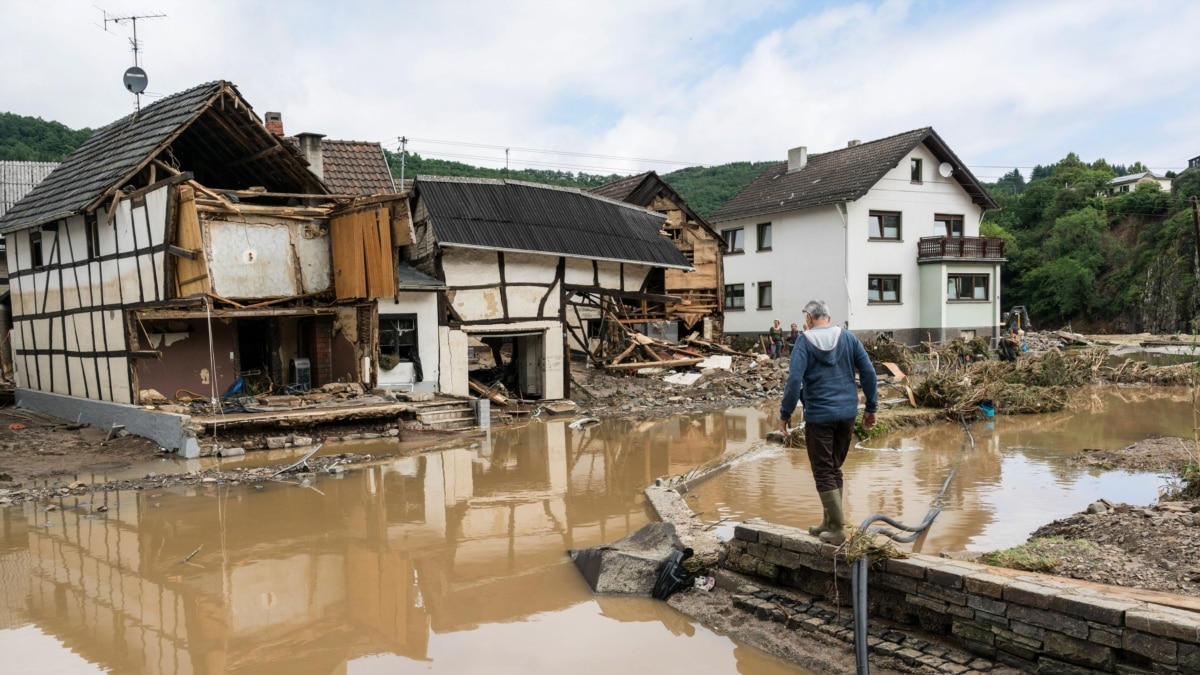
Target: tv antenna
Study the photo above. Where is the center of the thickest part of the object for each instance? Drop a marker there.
(135, 79)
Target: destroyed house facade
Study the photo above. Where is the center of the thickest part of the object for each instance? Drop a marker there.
(532, 272)
(701, 290)
(188, 250)
(886, 232)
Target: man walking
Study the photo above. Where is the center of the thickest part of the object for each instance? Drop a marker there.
(821, 377)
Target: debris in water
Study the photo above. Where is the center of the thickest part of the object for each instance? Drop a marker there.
(193, 553)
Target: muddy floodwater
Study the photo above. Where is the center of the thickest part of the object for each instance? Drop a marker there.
(450, 561)
(1014, 478)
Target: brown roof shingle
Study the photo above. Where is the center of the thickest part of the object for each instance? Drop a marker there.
(356, 167)
(841, 175)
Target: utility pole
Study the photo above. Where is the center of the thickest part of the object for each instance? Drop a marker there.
(403, 153)
(506, 162)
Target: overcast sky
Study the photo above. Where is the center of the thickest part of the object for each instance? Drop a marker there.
(624, 86)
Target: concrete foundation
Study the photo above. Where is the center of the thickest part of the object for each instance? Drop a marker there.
(167, 429)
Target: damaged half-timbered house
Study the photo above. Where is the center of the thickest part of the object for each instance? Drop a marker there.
(535, 271)
(186, 249)
(700, 307)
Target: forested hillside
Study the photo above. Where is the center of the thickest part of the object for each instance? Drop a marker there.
(32, 139)
(1125, 264)
(704, 188)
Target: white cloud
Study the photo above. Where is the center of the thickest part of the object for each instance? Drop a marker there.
(1007, 84)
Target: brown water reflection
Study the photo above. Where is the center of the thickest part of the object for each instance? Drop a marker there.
(450, 561)
(1013, 480)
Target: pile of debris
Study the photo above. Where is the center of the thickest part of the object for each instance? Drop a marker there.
(332, 394)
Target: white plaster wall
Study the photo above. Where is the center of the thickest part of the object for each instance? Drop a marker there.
(454, 365)
(424, 305)
(578, 272)
(806, 261)
(470, 267)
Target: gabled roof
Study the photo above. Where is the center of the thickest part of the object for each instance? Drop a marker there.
(518, 216)
(356, 167)
(1133, 177)
(209, 130)
(842, 175)
(18, 178)
(640, 190)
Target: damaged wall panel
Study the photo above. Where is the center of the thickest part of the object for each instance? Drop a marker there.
(260, 256)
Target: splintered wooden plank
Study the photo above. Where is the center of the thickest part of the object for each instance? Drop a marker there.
(346, 241)
(191, 274)
(377, 245)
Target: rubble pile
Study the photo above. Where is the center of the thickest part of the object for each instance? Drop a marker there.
(656, 390)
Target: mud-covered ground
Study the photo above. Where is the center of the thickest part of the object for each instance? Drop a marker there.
(35, 448)
(1150, 546)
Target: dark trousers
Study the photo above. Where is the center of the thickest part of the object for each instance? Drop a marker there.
(828, 444)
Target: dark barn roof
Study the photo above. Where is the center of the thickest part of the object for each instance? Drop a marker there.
(209, 130)
(641, 190)
(519, 216)
(356, 168)
(842, 175)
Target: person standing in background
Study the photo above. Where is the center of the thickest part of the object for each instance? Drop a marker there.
(790, 340)
(775, 340)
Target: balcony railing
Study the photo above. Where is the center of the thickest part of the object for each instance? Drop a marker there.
(960, 247)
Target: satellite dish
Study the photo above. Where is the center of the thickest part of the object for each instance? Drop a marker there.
(135, 80)
(945, 169)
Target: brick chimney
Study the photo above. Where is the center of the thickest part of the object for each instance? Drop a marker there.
(797, 158)
(310, 145)
(274, 122)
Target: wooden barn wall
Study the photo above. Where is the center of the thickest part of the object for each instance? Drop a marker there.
(186, 362)
(69, 327)
(491, 286)
(362, 254)
(257, 256)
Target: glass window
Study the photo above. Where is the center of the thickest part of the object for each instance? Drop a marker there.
(735, 296)
(967, 287)
(734, 240)
(883, 288)
(764, 295)
(947, 226)
(764, 236)
(885, 225)
(397, 339)
(915, 168)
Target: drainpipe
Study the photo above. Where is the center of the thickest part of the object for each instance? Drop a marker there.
(843, 210)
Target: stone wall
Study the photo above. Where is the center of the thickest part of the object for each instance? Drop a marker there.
(1027, 621)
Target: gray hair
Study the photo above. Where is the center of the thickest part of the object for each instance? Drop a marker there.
(816, 309)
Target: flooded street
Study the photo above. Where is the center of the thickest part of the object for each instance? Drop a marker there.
(1013, 480)
(451, 561)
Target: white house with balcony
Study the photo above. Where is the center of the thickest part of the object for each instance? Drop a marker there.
(886, 232)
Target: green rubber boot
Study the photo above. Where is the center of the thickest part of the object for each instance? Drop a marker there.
(827, 498)
(836, 533)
